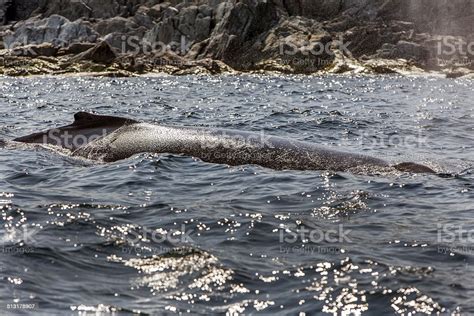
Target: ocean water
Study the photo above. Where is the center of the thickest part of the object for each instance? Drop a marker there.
(166, 234)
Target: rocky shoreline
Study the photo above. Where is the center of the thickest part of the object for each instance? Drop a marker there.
(126, 38)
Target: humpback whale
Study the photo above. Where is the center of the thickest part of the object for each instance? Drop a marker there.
(110, 138)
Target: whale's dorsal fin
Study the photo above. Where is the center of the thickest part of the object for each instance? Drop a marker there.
(81, 117)
(88, 119)
(86, 125)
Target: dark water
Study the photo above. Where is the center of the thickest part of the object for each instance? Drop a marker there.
(165, 233)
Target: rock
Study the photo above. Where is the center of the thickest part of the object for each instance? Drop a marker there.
(4, 7)
(73, 9)
(299, 43)
(75, 48)
(458, 72)
(302, 36)
(369, 38)
(313, 9)
(92, 9)
(22, 9)
(121, 42)
(204, 66)
(142, 18)
(194, 23)
(443, 17)
(469, 76)
(205, 10)
(156, 11)
(115, 25)
(181, 29)
(56, 30)
(45, 49)
(409, 50)
(390, 66)
(187, 17)
(133, 42)
(240, 25)
(164, 31)
(101, 53)
(222, 10)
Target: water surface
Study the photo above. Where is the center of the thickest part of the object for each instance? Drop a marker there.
(158, 233)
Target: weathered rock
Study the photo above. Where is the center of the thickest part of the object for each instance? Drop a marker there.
(94, 9)
(115, 25)
(101, 53)
(142, 17)
(56, 30)
(182, 28)
(410, 50)
(241, 25)
(4, 7)
(75, 48)
(45, 49)
(297, 43)
(21, 9)
(368, 39)
(131, 43)
(221, 11)
(301, 36)
(389, 66)
(74, 10)
(156, 11)
(443, 17)
(311, 8)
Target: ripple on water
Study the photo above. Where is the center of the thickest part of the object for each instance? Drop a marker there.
(166, 233)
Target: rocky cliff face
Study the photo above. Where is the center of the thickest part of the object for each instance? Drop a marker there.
(302, 36)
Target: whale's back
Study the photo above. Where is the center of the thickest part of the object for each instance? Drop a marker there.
(86, 128)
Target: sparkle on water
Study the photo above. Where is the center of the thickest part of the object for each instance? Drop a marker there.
(167, 233)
